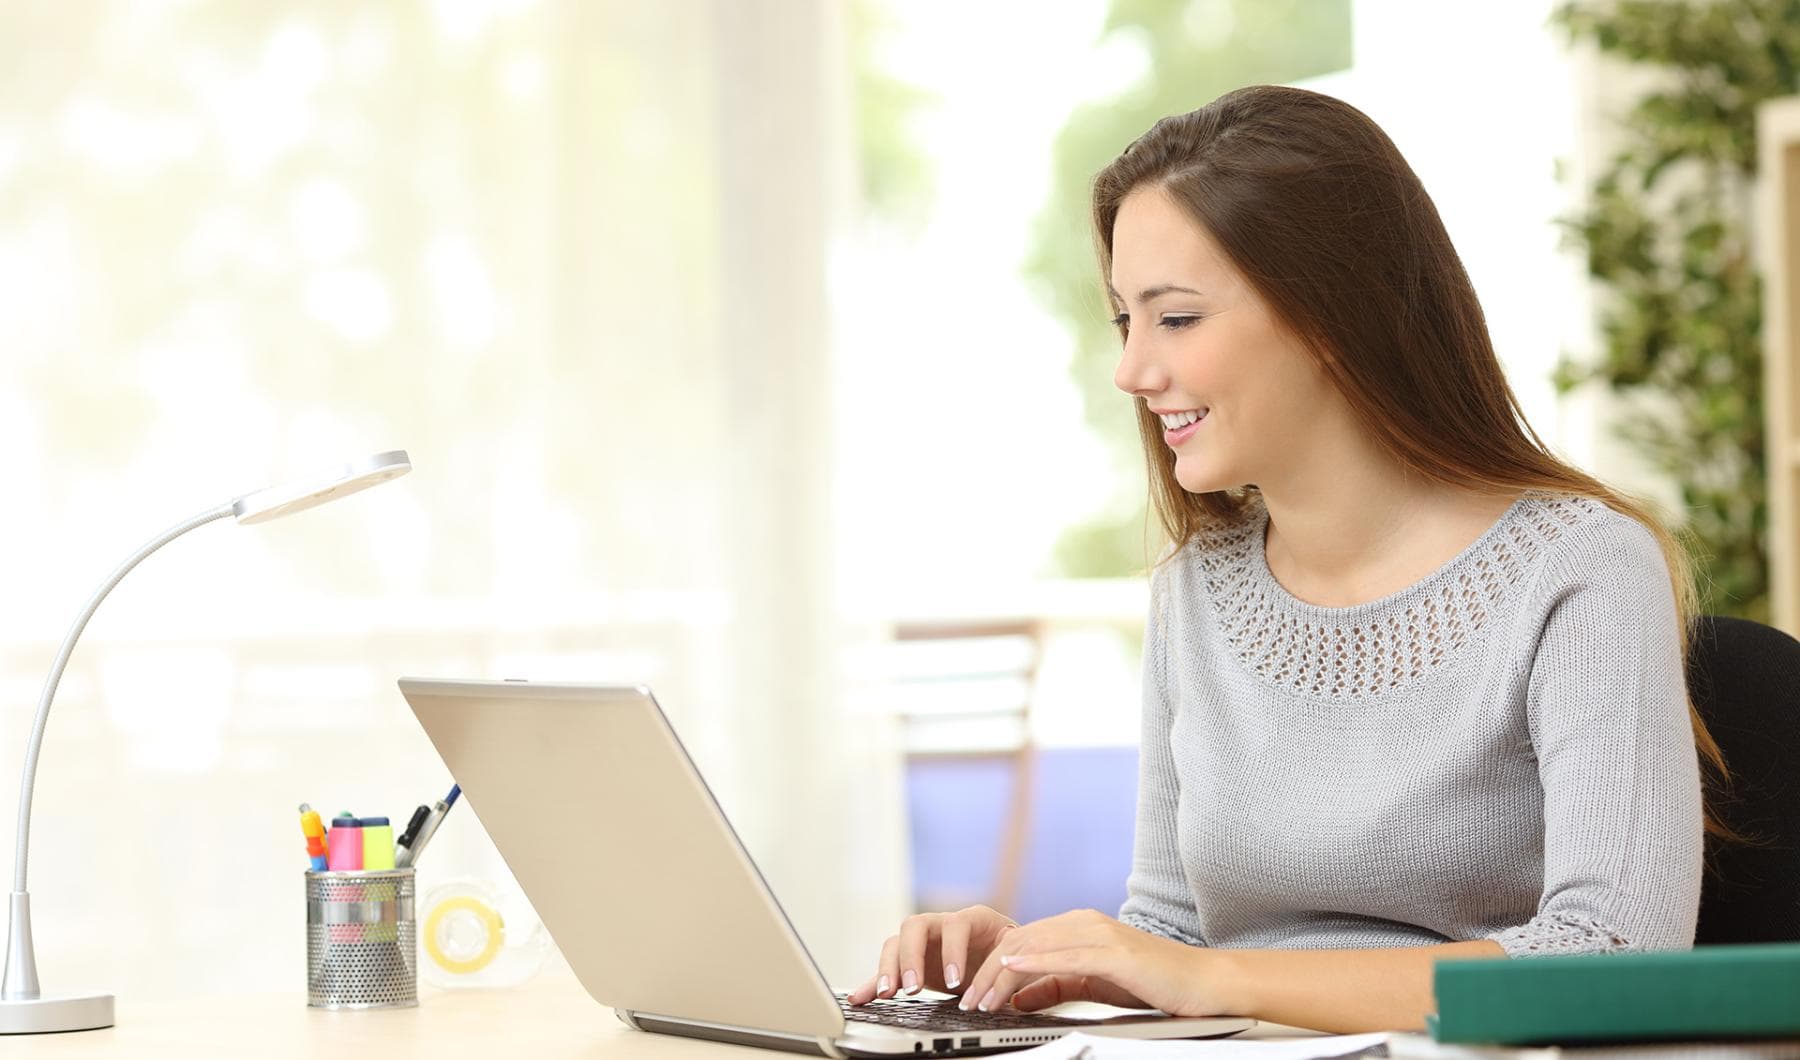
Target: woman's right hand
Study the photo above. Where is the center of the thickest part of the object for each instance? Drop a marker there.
(937, 951)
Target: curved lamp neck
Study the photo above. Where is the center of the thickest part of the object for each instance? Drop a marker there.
(21, 961)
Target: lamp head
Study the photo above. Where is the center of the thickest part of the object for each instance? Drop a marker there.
(277, 501)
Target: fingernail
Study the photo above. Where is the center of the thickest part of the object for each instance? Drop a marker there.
(952, 977)
(987, 1002)
(881, 987)
(911, 979)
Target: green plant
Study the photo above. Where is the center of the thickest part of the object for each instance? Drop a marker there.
(1666, 235)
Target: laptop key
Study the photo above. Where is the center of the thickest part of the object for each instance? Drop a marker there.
(944, 1014)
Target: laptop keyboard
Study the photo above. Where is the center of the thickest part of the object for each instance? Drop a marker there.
(942, 1014)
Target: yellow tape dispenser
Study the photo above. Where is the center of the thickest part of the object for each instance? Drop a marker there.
(466, 941)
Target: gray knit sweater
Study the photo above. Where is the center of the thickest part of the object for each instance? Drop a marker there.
(1501, 750)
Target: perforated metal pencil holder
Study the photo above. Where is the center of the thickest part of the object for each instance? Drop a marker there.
(361, 940)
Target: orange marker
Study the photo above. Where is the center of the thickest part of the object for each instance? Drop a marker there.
(314, 830)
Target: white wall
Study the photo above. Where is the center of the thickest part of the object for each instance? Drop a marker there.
(571, 256)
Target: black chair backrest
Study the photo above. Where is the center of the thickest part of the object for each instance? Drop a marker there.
(1744, 678)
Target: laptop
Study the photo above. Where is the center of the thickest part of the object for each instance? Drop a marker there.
(625, 854)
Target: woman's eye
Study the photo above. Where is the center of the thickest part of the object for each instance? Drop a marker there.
(1172, 322)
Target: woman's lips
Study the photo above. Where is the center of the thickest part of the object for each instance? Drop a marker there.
(1182, 434)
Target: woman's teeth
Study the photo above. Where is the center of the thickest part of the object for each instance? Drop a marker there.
(1174, 421)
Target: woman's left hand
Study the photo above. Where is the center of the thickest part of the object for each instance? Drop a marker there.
(1088, 956)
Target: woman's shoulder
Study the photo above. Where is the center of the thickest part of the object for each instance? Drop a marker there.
(1582, 539)
(1566, 518)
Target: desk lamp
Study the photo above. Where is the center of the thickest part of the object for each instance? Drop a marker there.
(23, 1009)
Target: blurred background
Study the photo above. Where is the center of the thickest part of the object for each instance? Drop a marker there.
(750, 350)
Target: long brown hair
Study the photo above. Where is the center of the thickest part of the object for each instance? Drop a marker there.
(1312, 202)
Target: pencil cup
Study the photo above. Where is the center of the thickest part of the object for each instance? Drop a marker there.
(361, 940)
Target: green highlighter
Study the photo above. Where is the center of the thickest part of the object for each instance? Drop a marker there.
(378, 843)
(1703, 994)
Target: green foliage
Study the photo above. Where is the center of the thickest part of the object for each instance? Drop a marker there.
(1196, 51)
(1667, 240)
(896, 181)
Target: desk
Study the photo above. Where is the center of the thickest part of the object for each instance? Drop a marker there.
(549, 1016)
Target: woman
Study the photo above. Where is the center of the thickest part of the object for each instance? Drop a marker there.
(1413, 685)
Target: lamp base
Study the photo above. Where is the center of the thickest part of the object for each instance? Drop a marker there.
(47, 1015)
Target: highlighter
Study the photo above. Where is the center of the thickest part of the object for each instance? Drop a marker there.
(344, 850)
(314, 832)
(377, 843)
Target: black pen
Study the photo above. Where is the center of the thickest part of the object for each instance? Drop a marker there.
(410, 855)
(405, 841)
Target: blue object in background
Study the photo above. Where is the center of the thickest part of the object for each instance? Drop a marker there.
(1078, 829)
(1078, 846)
(957, 809)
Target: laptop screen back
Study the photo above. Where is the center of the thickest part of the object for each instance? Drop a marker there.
(607, 825)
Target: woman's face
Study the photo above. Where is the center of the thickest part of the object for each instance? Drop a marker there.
(1199, 342)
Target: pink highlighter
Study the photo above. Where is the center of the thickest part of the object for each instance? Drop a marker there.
(344, 849)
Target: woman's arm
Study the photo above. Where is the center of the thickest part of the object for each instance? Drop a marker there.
(1158, 899)
(1087, 956)
(1342, 991)
(1607, 709)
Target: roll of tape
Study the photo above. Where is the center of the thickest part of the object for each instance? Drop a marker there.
(462, 934)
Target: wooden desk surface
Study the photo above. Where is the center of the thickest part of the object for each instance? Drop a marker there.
(549, 1016)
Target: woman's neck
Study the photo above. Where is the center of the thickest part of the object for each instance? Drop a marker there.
(1359, 540)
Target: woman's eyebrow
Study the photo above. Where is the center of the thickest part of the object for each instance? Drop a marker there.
(1149, 293)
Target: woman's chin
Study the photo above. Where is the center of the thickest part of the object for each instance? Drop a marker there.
(1196, 480)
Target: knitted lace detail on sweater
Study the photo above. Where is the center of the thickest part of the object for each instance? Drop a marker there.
(1375, 648)
(1548, 936)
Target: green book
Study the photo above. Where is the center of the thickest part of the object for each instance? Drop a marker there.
(1708, 993)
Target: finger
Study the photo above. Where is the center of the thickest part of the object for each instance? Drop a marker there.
(953, 946)
(1054, 962)
(915, 937)
(1074, 960)
(1007, 983)
(887, 977)
(981, 984)
(987, 925)
(1048, 990)
(863, 994)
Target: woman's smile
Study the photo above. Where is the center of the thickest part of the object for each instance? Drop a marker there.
(1180, 426)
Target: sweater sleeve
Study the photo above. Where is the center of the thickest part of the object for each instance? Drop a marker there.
(1607, 711)
(1158, 899)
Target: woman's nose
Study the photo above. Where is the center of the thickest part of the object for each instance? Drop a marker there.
(1137, 374)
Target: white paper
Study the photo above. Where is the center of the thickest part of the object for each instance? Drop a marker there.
(1099, 1047)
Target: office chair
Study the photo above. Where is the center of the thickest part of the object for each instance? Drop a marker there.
(1744, 678)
